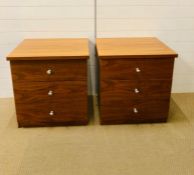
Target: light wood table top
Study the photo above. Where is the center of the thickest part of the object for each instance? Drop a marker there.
(50, 48)
(145, 47)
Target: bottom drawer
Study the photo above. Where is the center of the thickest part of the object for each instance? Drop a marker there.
(154, 111)
(45, 115)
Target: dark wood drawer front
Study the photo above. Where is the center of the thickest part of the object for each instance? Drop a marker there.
(45, 115)
(49, 70)
(136, 69)
(68, 112)
(65, 92)
(120, 92)
(147, 111)
(34, 92)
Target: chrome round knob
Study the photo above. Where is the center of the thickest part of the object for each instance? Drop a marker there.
(135, 110)
(137, 69)
(136, 90)
(51, 113)
(49, 71)
(50, 93)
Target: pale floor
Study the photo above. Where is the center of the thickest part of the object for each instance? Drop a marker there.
(141, 149)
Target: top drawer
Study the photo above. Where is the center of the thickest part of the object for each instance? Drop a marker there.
(130, 69)
(54, 70)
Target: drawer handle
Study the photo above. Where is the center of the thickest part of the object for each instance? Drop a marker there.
(49, 71)
(136, 90)
(50, 93)
(137, 69)
(51, 113)
(135, 110)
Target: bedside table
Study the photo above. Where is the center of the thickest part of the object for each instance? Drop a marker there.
(135, 78)
(50, 82)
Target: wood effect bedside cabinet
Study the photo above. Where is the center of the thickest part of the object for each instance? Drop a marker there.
(135, 77)
(50, 82)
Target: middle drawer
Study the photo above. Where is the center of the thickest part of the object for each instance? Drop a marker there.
(70, 92)
(120, 92)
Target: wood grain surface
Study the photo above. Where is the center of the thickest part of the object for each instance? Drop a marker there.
(46, 49)
(29, 115)
(37, 70)
(65, 92)
(66, 59)
(148, 111)
(122, 92)
(135, 74)
(69, 103)
(122, 69)
(142, 47)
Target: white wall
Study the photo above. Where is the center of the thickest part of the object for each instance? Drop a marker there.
(21, 19)
(171, 21)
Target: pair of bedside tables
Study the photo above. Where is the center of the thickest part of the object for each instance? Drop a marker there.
(50, 81)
